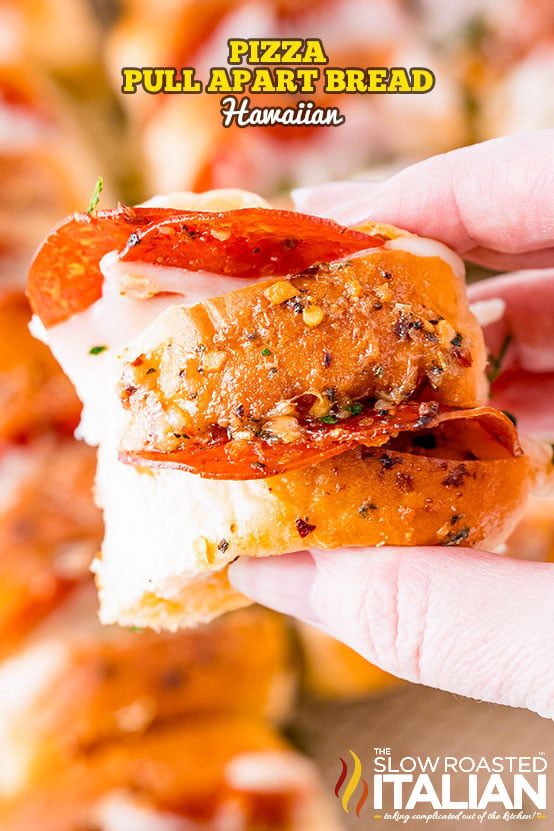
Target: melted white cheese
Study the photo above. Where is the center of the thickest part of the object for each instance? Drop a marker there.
(115, 320)
(425, 247)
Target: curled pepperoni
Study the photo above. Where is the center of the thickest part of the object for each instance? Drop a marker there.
(65, 276)
(222, 458)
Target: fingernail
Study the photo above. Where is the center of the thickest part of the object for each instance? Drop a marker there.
(282, 583)
(301, 197)
(322, 200)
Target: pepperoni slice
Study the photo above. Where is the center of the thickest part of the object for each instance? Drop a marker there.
(65, 276)
(259, 458)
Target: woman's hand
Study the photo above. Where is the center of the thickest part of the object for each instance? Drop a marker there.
(471, 622)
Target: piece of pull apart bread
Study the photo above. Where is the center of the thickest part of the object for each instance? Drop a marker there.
(260, 381)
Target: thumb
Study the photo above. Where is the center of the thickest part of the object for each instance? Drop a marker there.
(466, 621)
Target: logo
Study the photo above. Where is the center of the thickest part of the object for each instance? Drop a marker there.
(353, 782)
(444, 788)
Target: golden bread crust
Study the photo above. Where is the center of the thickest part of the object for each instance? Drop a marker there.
(361, 498)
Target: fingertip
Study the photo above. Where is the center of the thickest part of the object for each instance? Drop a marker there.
(327, 199)
(282, 583)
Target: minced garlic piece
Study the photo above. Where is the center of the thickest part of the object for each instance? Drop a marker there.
(313, 315)
(285, 428)
(203, 550)
(213, 361)
(444, 530)
(446, 332)
(355, 288)
(321, 405)
(383, 292)
(281, 291)
(220, 235)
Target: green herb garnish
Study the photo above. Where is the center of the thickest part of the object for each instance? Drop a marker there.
(329, 419)
(96, 350)
(266, 352)
(456, 539)
(95, 198)
(495, 361)
(355, 408)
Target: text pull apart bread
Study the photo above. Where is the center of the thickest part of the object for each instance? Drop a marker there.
(259, 381)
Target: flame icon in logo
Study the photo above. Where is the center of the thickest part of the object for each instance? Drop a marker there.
(351, 785)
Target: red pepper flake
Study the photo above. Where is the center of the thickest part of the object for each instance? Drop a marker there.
(217, 434)
(462, 355)
(303, 527)
(405, 482)
(289, 244)
(402, 327)
(455, 479)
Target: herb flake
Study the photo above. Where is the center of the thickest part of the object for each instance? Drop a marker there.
(495, 361)
(365, 508)
(456, 539)
(95, 197)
